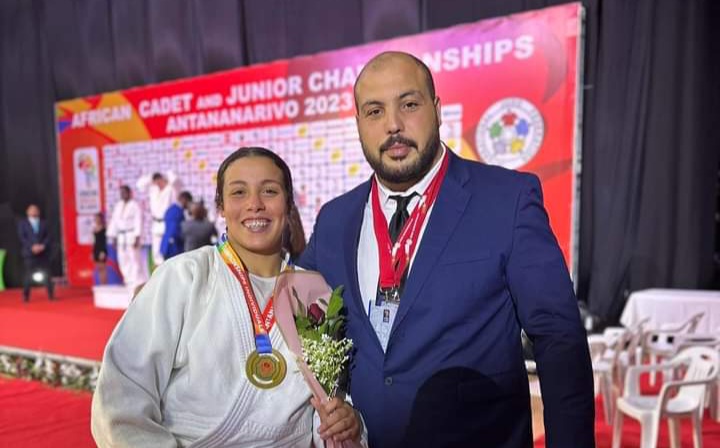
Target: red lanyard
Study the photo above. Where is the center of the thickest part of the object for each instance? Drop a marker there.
(394, 258)
(262, 322)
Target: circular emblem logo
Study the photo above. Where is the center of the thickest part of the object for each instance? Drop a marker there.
(510, 133)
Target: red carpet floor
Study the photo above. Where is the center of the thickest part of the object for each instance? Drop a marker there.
(69, 325)
(35, 415)
(631, 432)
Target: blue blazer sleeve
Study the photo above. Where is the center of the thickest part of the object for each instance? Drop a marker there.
(547, 307)
(307, 258)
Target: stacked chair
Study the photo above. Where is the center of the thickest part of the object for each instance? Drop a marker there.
(612, 354)
(692, 371)
(689, 363)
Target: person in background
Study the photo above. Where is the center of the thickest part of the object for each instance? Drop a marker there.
(100, 253)
(172, 241)
(124, 233)
(184, 365)
(35, 249)
(198, 231)
(162, 189)
(445, 261)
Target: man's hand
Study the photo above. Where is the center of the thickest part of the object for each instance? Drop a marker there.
(37, 248)
(338, 419)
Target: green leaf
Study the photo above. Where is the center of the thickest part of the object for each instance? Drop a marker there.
(302, 323)
(308, 333)
(336, 328)
(336, 303)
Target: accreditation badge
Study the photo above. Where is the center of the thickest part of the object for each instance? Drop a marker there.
(382, 315)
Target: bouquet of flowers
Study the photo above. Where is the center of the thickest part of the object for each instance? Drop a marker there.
(321, 327)
(309, 315)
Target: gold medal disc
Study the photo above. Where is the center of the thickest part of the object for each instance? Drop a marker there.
(266, 370)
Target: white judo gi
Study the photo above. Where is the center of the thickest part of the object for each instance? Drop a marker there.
(125, 227)
(173, 373)
(160, 201)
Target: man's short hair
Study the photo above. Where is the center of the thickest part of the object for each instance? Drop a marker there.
(157, 176)
(429, 82)
(185, 195)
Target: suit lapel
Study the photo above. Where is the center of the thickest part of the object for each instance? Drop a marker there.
(350, 249)
(351, 240)
(446, 213)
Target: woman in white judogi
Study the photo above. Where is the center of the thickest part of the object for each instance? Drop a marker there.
(124, 233)
(175, 370)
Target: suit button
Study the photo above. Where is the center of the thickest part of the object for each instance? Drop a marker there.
(388, 381)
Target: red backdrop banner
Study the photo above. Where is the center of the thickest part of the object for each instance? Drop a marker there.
(508, 89)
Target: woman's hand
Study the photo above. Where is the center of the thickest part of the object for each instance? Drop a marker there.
(338, 419)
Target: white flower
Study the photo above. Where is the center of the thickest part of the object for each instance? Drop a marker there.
(326, 359)
(6, 363)
(41, 368)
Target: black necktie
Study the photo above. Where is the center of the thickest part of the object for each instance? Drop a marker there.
(397, 221)
(400, 216)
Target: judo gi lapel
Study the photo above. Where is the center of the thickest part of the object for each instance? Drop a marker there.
(446, 213)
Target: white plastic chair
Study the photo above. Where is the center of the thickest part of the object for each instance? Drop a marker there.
(714, 389)
(612, 353)
(663, 343)
(604, 362)
(698, 367)
(712, 341)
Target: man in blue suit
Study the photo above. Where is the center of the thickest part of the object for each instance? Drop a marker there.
(437, 298)
(172, 242)
(35, 250)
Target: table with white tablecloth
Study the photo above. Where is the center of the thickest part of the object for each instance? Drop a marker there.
(673, 306)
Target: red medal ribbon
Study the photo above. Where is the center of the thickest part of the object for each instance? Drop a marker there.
(394, 258)
(262, 322)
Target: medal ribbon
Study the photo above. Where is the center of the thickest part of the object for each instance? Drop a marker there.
(262, 322)
(394, 258)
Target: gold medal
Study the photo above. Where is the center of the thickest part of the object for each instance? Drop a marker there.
(266, 370)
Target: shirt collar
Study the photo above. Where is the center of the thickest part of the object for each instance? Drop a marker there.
(418, 188)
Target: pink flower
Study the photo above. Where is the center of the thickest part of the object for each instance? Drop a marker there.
(316, 314)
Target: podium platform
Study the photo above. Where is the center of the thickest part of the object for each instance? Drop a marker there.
(116, 297)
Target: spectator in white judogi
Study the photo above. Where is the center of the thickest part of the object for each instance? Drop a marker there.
(162, 191)
(124, 233)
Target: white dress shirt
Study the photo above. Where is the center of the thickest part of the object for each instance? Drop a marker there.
(368, 262)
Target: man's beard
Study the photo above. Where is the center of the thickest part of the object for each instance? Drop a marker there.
(411, 173)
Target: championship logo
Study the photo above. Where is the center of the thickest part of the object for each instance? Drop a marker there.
(510, 133)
